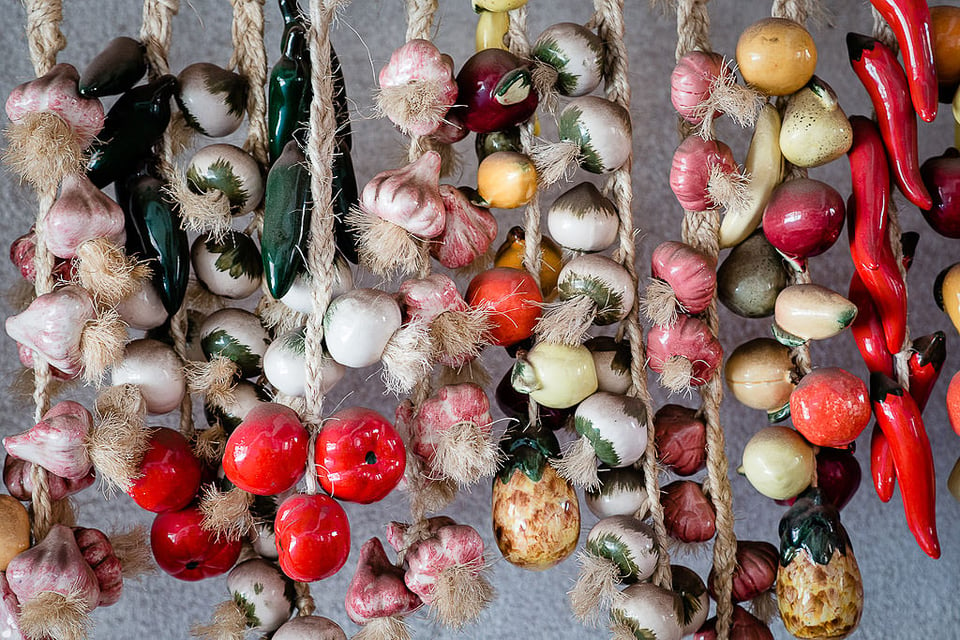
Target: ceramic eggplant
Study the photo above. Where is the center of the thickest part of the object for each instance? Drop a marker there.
(611, 360)
(751, 277)
(53, 325)
(803, 218)
(941, 175)
(155, 234)
(555, 375)
(229, 267)
(536, 514)
(56, 93)
(157, 370)
(212, 100)
(468, 232)
(58, 442)
(133, 126)
(688, 514)
(230, 170)
(576, 53)
(15, 531)
(495, 89)
(815, 129)
(286, 86)
(744, 626)
(117, 68)
(600, 129)
(82, 212)
(819, 588)
(582, 219)
(284, 365)
(622, 492)
(778, 462)
(377, 589)
(286, 220)
(761, 375)
(417, 87)
(262, 592)
(681, 437)
(236, 335)
(810, 312)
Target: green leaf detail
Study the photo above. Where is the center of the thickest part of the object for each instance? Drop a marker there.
(222, 343)
(812, 527)
(219, 175)
(234, 90)
(189, 117)
(688, 605)
(296, 341)
(620, 618)
(609, 303)
(570, 127)
(248, 609)
(604, 449)
(238, 255)
(613, 548)
(257, 588)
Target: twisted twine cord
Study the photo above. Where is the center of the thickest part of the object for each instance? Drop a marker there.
(250, 61)
(610, 26)
(796, 10)
(701, 230)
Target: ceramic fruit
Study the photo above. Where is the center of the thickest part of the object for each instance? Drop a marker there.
(299, 297)
(803, 218)
(744, 625)
(940, 174)
(838, 476)
(696, 164)
(117, 68)
(53, 325)
(55, 565)
(681, 438)
(246, 395)
(815, 129)
(377, 589)
(261, 592)
(615, 427)
(513, 250)
(229, 267)
(761, 375)
(622, 492)
(506, 180)
(626, 542)
(211, 99)
(237, 335)
(169, 474)
(830, 407)
(582, 219)
(577, 55)
(517, 405)
(751, 277)
(187, 551)
(492, 26)
(310, 628)
(15, 530)
(58, 442)
(512, 301)
(409, 197)
(600, 129)
(495, 91)
(82, 212)
(468, 233)
(953, 481)
(313, 537)
(555, 375)
(819, 588)
(611, 361)
(156, 370)
(944, 26)
(230, 170)
(267, 453)
(359, 324)
(811, 312)
(649, 608)
(778, 462)
(18, 479)
(536, 514)
(417, 63)
(755, 572)
(946, 293)
(688, 514)
(359, 456)
(690, 274)
(776, 56)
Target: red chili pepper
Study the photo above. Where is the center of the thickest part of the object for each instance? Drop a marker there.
(867, 329)
(910, 21)
(899, 417)
(871, 189)
(877, 67)
(882, 469)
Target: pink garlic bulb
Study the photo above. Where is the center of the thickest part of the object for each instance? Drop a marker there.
(377, 589)
(81, 213)
(692, 81)
(450, 546)
(468, 233)
(409, 197)
(58, 442)
(57, 92)
(396, 533)
(691, 274)
(447, 407)
(54, 564)
(53, 324)
(417, 87)
(98, 552)
(426, 298)
(25, 354)
(688, 343)
(451, 129)
(22, 253)
(695, 163)
(18, 478)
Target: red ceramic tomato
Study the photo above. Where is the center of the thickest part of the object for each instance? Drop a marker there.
(267, 453)
(313, 537)
(513, 300)
(830, 407)
(187, 551)
(170, 474)
(360, 456)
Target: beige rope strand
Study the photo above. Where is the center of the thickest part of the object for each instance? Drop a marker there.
(250, 61)
(611, 28)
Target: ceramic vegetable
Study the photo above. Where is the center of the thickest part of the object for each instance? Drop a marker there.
(811, 312)
(819, 589)
(575, 52)
(511, 254)
(621, 493)
(230, 170)
(778, 462)
(939, 175)
(688, 514)
(82, 212)
(377, 589)
(56, 93)
(261, 592)
(310, 628)
(515, 404)
(230, 266)
(684, 274)
(235, 334)
(751, 277)
(830, 407)
(512, 301)
(359, 456)
(877, 68)
(755, 571)
(582, 219)
(492, 26)
(647, 609)
(58, 442)
(506, 180)
(611, 359)
(776, 56)
(838, 476)
(18, 479)
(761, 375)
(358, 325)
(408, 197)
(245, 396)
(495, 91)
(211, 99)
(117, 68)
(555, 375)
(694, 601)
(15, 531)
(313, 537)
(744, 625)
(692, 81)
(803, 218)
(99, 554)
(299, 296)
(417, 87)
(815, 129)
(600, 130)
(286, 87)
(910, 22)
(699, 166)
(536, 515)
(143, 309)
(186, 550)
(681, 438)
(685, 354)
(468, 232)
(764, 165)
(156, 370)
(946, 292)
(284, 365)
(168, 475)
(267, 453)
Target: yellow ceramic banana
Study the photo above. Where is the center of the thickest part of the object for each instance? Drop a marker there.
(764, 165)
(497, 5)
(492, 26)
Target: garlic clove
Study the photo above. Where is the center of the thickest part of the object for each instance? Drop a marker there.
(57, 565)
(377, 589)
(53, 324)
(58, 442)
(98, 552)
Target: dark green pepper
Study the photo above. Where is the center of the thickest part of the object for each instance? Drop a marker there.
(121, 65)
(288, 81)
(506, 140)
(286, 220)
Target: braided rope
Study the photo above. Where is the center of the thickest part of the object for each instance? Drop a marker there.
(250, 61)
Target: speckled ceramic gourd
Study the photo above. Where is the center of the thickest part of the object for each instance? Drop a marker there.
(235, 334)
(156, 370)
(230, 170)
(815, 129)
(751, 277)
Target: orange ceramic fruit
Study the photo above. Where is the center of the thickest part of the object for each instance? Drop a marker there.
(776, 56)
(506, 180)
(512, 301)
(830, 407)
(953, 402)
(945, 29)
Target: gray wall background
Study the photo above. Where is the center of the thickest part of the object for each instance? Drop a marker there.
(907, 594)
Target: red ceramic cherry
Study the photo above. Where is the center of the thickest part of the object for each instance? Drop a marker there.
(170, 473)
(267, 453)
(941, 176)
(496, 90)
(513, 300)
(313, 537)
(803, 218)
(830, 407)
(360, 456)
(186, 550)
